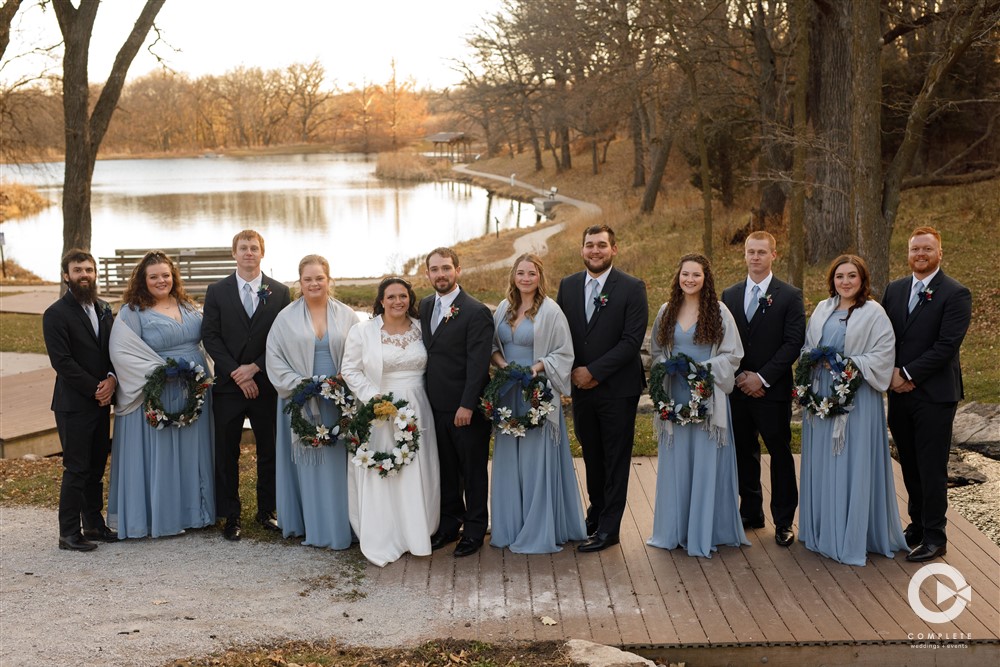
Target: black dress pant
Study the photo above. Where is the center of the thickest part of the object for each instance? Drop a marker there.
(230, 410)
(86, 443)
(464, 456)
(771, 420)
(922, 433)
(605, 428)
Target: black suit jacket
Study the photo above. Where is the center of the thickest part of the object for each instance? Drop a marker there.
(458, 354)
(773, 339)
(233, 339)
(80, 359)
(609, 344)
(928, 340)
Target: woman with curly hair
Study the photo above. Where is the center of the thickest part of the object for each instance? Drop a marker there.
(847, 503)
(162, 476)
(535, 504)
(696, 349)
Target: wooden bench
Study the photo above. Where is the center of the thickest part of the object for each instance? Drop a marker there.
(199, 268)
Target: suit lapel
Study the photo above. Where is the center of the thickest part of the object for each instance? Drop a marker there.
(609, 287)
(760, 313)
(232, 291)
(81, 315)
(912, 317)
(457, 303)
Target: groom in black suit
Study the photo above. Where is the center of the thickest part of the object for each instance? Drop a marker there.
(771, 319)
(77, 328)
(239, 311)
(930, 314)
(458, 334)
(607, 313)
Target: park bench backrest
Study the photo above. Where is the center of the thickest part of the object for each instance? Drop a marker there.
(199, 268)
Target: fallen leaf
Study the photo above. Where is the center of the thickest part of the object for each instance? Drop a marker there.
(548, 620)
(160, 602)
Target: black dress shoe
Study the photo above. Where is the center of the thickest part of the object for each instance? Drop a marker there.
(753, 522)
(468, 546)
(232, 530)
(439, 541)
(591, 527)
(102, 534)
(598, 542)
(784, 536)
(75, 543)
(269, 522)
(913, 537)
(926, 552)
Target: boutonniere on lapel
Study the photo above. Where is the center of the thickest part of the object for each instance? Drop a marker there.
(452, 313)
(104, 310)
(264, 292)
(926, 294)
(764, 302)
(600, 301)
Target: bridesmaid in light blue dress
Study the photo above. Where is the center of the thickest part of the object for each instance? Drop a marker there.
(697, 498)
(535, 501)
(162, 481)
(307, 340)
(847, 504)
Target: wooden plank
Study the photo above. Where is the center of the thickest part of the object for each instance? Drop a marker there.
(544, 600)
(517, 593)
(493, 607)
(569, 590)
(441, 580)
(25, 401)
(466, 600)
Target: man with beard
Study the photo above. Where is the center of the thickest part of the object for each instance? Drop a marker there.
(607, 312)
(458, 334)
(930, 314)
(76, 330)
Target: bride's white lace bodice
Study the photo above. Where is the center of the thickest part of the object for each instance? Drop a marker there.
(403, 352)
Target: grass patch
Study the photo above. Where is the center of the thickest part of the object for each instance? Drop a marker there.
(33, 483)
(439, 653)
(21, 333)
(412, 167)
(20, 201)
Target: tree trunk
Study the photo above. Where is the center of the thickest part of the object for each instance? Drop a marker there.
(774, 157)
(705, 169)
(84, 130)
(796, 224)
(827, 218)
(866, 134)
(638, 149)
(660, 150)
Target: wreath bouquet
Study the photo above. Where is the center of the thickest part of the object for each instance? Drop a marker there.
(405, 434)
(536, 392)
(844, 385)
(700, 381)
(196, 384)
(325, 388)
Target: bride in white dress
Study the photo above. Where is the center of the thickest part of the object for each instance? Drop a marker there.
(394, 514)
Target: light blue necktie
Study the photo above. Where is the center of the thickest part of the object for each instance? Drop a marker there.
(914, 299)
(591, 307)
(436, 315)
(247, 300)
(754, 302)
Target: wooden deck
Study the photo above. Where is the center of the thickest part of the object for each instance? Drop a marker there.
(27, 425)
(641, 597)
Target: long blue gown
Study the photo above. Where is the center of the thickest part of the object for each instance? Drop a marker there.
(535, 502)
(311, 493)
(847, 502)
(697, 498)
(162, 482)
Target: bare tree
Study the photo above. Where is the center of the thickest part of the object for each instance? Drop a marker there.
(305, 90)
(85, 129)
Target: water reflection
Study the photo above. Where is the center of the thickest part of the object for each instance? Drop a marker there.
(330, 204)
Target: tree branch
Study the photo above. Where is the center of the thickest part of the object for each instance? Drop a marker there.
(952, 179)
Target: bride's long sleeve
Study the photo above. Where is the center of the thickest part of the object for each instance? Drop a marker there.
(353, 368)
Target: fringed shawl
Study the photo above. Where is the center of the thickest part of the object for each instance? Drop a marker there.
(725, 359)
(869, 342)
(133, 360)
(552, 345)
(291, 348)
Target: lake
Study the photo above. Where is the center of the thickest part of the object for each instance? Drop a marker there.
(330, 204)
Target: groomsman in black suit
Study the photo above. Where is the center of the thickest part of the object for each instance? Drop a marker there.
(607, 312)
(239, 311)
(771, 320)
(930, 314)
(76, 330)
(458, 334)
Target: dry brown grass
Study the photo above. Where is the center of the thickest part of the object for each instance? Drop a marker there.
(15, 274)
(20, 201)
(411, 167)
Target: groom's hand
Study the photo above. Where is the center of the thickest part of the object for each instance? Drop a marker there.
(463, 417)
(582, 379)
(244, 373)
(249, 389)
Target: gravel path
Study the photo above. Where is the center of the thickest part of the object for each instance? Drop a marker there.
(145, 602)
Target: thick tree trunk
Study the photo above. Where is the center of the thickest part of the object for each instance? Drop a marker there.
(84, 130)
(774, 157)
(796, 224)
(638, 148)
(660, 150)
(827, 219)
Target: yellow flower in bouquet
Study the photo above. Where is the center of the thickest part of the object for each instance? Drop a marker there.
(385, 410)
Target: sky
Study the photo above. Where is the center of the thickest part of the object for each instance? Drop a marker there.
(355, 40)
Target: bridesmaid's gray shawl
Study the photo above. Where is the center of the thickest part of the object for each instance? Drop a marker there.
(725, 360)
(291, 344)
(553, 346)
(291, 351)
(136, 359)
(869, 342)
